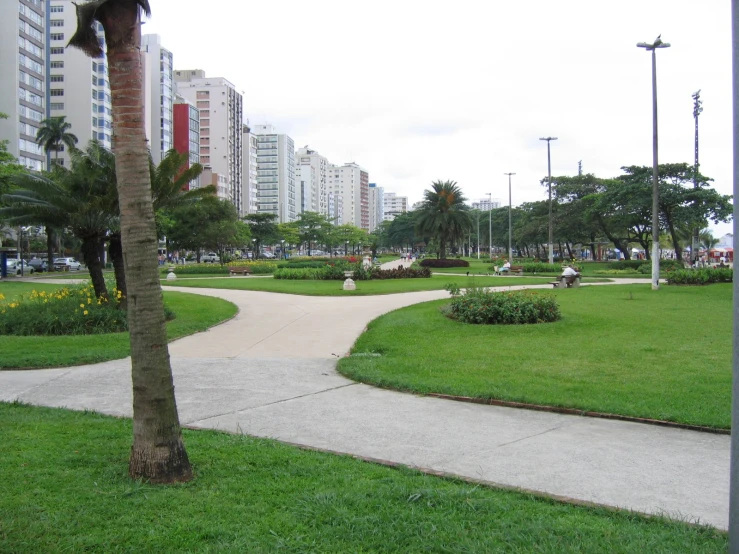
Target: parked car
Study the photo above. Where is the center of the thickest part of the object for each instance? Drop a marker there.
(268, 255)
(210, 257)
(39, 264)
(60, 263)
(13, 267)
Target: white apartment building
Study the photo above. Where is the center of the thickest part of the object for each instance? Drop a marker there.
(276, 189)
(335, 208)
(319, 171)
(158, 96)
(249, 143)
(305, 185)
(221, 132)
(376, 206)
(486, 204)
(78, 85)
(393, 206)
(351, 183)
(23, 84)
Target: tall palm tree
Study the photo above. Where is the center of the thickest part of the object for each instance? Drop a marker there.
(158, 453)
(53, 133)
(443, 215)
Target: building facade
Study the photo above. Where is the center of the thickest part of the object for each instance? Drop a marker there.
(319, 171)
(158, 96)
(276, 189)
(393, 206)
(486, 204)
(351, 183)
(23, 87)
(221, 115)
(376, 206)
(186, 133)
(249, 160)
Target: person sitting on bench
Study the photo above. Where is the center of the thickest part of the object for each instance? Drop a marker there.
(506, 267)
(569, 271)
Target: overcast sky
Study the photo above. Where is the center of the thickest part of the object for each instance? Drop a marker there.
(420, 90)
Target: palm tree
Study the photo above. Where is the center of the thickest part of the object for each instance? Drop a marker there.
(443, 215)
(708, 241)
(53, 133)
(158, 453)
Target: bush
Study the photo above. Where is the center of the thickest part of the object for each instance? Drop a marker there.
(703, 276)
(430, 262)
(257, 268)
(504, 308)
(541, 267)
(401, 273)
(627, 264)
(664, 265)
(70, 310)
(296, 274)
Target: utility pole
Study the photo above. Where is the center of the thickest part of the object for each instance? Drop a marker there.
(549, 184)
(510, 227)
(697, 109)
(490, 222)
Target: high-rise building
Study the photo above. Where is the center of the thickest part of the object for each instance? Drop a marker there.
(335, 208)
(319, 171)
(351, 183)
(23, 84)
(250, 144)
(158, 96)
(276, 190)
(393, 206)
(78, 85)
(376, 206)
(186, 133)
(305, 183)
(486, 204)
(221, 120)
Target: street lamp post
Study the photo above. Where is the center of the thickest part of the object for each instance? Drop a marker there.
(282, 249)
(655, 177)
(510, 227)
(490, 225)
(549, 186)
(254, 248)
(697, 109)
(478, 235)
(346, 248)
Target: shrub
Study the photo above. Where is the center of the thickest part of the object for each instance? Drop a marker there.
(613, 272)
(257, 267)
(702, 276)
(70, 310)
(541, 267)
(296, 274)
(627, 264)
(430, 262)
(504, 308)
(401, 273)
(664, 265)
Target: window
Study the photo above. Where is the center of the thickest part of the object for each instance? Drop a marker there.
(56, 105)
(94, 80)
(57, 64)
(205, 122)
(57, 9)
(56, 78)
(57, 36)
(203, 104)
(56, 92)
(56, 22)
(57, 50)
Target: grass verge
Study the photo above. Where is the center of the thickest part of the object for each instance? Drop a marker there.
(364, 288)
(65, 489)
(193, 312)
(618, 349)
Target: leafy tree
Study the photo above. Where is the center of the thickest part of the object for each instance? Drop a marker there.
(312, 228)
(53, 135)
(288, 232)
(443, 214)
(9, 166)
(158, 452)
(401, 231)
(263, 228)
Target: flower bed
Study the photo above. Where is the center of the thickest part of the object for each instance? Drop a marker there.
(703, 276)
(257, 268)
(503, 308)
(430, 262)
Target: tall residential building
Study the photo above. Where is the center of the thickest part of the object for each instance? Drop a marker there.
(351, 183)
(276, 190)
(335, 208)
(486, 204)
(158, 96)
(23, 84)
(393, 206)
(249, 143)
(186, 133)
(78, 85)
(319, 170)
(221, 119)
(376, 206)
(305, 183)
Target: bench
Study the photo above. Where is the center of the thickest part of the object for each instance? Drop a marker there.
(513, 270)
(566, 281)
(239, 270)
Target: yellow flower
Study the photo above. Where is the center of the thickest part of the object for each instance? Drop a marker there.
(2, 297)
(82, 305)
(85, 312)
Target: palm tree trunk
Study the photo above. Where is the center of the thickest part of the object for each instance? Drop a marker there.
(91, 255)
(158, 452)
(49, 248)
(115, 249)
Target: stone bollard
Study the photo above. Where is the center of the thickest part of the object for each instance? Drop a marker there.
(349, 282)
(171, 276)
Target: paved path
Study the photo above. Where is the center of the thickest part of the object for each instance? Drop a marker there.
(270, 372)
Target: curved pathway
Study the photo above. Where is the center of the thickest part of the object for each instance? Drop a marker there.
(270, 372)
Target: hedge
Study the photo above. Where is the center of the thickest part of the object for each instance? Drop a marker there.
(504, 308)
(430, 262)
(702, 276)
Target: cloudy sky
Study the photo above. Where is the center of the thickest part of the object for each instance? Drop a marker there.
(420, 90)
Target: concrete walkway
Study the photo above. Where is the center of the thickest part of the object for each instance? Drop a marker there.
(270, 372)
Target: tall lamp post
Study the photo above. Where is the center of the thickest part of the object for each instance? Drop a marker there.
(549, 186)
(655, 177)
(478, 235)
(697, 109)
(510, 226)
(490, 223)
(282, 249)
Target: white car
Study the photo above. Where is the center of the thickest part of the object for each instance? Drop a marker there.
(60, 263)
(13, 267)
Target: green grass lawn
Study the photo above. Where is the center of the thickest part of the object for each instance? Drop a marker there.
(64, 488)
(484, 266)
(193, 313)
(334, 288)
(618, 349)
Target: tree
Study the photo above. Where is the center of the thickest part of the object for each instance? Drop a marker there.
(443, 215)
(312, 227)
(263, 228)
(288, 232)
(53, 135)
(9, 166)
(158, 453)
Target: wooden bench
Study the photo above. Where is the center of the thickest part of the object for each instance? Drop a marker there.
(513, 270)
(566, 281)
(239, 270)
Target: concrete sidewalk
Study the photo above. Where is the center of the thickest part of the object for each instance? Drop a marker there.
(270, 372)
